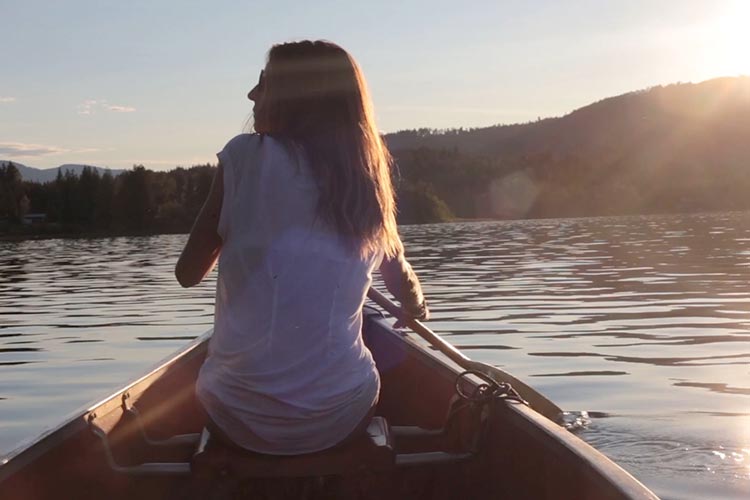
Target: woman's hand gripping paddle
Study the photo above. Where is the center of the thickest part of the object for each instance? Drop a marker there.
(536, 400)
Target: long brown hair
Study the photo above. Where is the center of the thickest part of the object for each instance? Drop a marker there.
(315, 95)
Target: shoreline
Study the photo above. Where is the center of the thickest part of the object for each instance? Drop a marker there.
(50, 232)
(67, 234)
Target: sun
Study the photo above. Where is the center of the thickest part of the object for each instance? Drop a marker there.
(731, 48)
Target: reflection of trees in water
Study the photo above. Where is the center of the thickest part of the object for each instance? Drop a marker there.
(661, 281)
(655, 361)
(681, 250)
(12, 268)
(720, 388)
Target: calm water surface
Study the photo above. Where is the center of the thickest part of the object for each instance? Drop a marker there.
(642, 321)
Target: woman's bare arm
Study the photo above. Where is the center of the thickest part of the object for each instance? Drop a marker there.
(402, 282)
(204, 244)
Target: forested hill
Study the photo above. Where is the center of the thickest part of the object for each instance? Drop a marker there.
(618, 122)
(681, 147)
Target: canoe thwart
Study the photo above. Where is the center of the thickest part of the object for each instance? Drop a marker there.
(372, 451)
(409, 431)
(431, 458)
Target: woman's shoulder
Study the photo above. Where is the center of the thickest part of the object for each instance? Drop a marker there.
(244, 142)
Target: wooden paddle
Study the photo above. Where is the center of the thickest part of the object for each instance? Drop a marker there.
(537, 401)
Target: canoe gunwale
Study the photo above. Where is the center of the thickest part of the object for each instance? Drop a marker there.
(599, 465)
(596, 465)
(78, 421)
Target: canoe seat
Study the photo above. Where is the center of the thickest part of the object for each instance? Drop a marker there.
(371, 452)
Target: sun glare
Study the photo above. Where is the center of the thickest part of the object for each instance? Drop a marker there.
(731, 52)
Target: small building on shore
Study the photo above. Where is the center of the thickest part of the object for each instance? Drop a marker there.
(34, 218)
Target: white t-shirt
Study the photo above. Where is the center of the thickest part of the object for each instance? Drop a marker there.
(287, 370)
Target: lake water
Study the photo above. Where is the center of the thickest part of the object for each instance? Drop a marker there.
(642, 321)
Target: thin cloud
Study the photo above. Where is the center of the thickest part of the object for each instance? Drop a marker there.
(26, 150)
(458, 109)
(87, 107)
(91, 106)
(120, 109)
(19, 149)
(7, 99)
(168, 163)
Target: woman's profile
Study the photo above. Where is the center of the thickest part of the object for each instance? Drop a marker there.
(299, 215)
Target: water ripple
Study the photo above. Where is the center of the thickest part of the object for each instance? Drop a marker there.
(645, 319)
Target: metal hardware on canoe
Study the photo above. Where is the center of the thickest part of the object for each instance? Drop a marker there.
(489, 390)
(180, 439)
(535, 399)
(158, 468)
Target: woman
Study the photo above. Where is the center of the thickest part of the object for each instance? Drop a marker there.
(299, 215)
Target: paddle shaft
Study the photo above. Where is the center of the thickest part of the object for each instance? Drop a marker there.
(535, 399)
(437, 341)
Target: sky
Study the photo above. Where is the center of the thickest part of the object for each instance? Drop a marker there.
(163, 83)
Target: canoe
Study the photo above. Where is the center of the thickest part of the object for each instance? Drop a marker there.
(138, 442)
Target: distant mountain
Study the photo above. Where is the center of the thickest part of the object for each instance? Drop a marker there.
(680, 147)
(49, 174)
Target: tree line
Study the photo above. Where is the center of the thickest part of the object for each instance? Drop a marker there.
(140, 200)
(136, 201)
(571, 184)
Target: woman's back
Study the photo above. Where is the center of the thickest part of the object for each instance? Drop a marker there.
(287, 359)
(298, 227)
